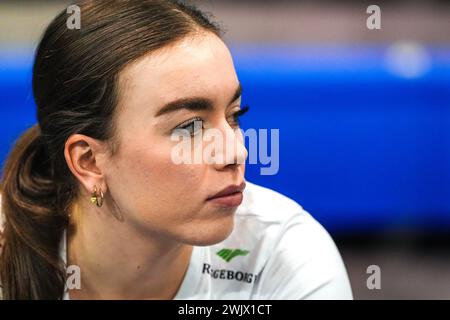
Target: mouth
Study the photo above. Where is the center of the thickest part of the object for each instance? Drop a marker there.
(229, 197)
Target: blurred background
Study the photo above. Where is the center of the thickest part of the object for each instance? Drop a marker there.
(364, 120)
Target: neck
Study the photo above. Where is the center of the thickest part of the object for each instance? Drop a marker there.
(117, 261)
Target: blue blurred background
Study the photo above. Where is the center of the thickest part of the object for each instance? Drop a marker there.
(363, 117)
(364, 140)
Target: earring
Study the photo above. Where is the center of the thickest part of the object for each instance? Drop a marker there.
(95, 198)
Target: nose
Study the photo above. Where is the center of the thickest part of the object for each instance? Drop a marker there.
(232, 152)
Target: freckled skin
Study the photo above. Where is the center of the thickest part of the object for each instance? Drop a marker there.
(154, 194)
(138, 245)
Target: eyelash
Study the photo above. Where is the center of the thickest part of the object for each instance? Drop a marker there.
(190, 123)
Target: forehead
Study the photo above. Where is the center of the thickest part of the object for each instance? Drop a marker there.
(199, 65)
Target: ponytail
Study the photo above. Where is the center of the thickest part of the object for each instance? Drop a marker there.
(76, 91)
(30, 266)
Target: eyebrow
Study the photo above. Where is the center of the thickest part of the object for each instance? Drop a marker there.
(194, 103)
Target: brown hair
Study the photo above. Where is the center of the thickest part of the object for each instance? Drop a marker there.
(75, 77)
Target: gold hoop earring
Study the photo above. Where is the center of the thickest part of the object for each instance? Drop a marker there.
(97, 197)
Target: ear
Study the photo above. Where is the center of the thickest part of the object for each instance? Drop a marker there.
(84, 156)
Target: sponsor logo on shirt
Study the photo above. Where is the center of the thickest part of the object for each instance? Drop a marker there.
(229, 274)
(228, 254)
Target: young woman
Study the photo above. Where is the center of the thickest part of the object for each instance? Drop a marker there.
(93, 184)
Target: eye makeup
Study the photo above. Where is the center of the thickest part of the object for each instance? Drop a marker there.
(192, 125)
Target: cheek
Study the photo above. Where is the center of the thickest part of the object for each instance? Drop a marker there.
(152, 180)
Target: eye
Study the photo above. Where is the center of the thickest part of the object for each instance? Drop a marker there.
(192, 126)
(235, 116)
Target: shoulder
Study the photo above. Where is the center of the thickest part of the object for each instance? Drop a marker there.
(297, 258)
(268, 214)
(266, 204)
(262, 218)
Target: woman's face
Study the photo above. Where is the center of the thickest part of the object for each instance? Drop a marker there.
(153, 192)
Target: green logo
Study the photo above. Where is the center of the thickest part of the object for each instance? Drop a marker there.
(228, 254)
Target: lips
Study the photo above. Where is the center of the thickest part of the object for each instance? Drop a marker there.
(230, 196)
(229, 190)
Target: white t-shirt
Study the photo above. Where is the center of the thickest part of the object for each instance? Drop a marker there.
(277, 250)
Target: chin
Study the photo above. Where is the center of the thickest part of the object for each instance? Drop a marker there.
(211, 233)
